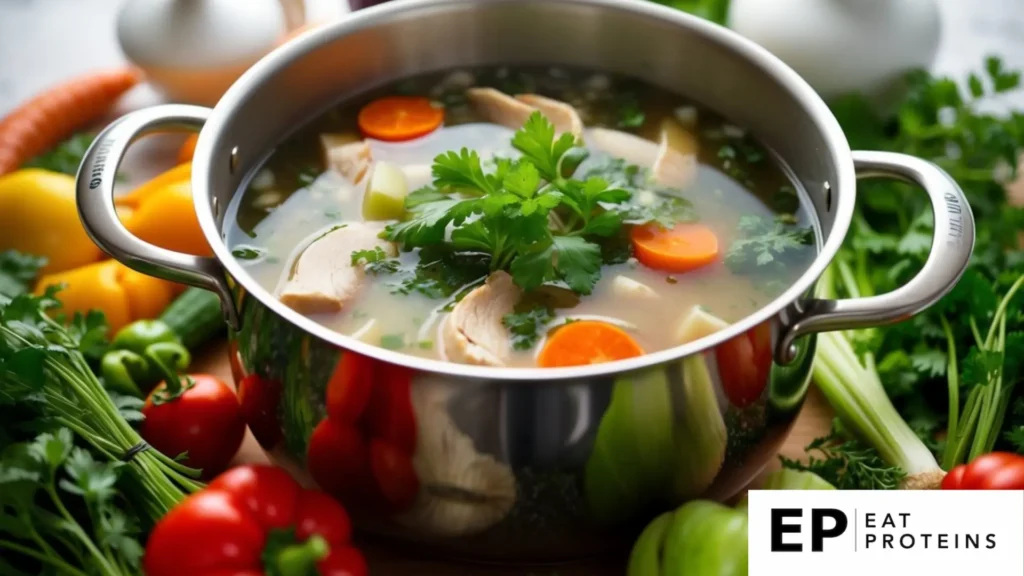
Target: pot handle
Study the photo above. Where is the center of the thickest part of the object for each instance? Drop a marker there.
(95, 198)
(952, 244)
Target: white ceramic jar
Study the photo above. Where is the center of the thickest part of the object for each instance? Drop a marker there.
(842, 46)
(193, 50)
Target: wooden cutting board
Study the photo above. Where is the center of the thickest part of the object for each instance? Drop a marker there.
(392, 559)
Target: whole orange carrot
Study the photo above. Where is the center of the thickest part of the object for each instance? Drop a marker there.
(50, 117)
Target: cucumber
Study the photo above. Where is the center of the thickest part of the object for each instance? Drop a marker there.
(195, 317)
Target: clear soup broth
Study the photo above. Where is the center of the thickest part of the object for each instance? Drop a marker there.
(642, 218)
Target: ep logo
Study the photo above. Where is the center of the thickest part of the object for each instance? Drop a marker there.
(824, 523)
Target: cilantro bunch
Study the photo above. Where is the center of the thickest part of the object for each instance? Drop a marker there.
(528, 216)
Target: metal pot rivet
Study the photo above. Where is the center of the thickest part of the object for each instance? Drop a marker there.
(233, 161)
(828, 196)
(215, 205)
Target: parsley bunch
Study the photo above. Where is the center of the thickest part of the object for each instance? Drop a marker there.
(944, 383)
(68, 503)
(527, 216)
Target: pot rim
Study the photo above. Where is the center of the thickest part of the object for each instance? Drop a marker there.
(844, 188)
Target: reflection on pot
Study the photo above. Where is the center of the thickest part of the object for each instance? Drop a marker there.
(564, 470)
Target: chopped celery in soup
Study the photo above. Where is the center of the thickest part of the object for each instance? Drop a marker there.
(522, 218)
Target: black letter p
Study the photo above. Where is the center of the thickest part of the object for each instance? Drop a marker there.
(818, 532)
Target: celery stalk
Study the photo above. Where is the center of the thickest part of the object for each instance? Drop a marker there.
(853, 388)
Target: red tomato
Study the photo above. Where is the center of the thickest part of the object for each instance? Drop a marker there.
(226, 529)
(390, 415)
(348, 391)
(995, 471)
(205, 421)
(259, 398)
(744, 364)
(338, 460)
(394, 473)
(343, 562)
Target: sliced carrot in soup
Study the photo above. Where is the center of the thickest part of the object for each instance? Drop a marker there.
(399, 118)
(587, 342)
(682, 248)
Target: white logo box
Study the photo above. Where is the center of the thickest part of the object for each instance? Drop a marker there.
(909, 533)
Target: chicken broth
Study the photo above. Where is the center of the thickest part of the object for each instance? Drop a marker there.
(471, 215)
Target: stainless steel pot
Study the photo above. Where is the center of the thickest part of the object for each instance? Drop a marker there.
(522, 464)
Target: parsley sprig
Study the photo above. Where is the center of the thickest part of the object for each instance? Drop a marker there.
(506, 214)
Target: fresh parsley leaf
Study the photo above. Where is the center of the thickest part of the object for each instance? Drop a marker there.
(525, 327)
(375, 261)
(536, 140)
(462, 171)
(427, 221)
(766, 245)
(17, 272)
(578, 262)
(631, 114)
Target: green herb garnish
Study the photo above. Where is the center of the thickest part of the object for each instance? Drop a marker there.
(393, 341)
(247, 253)
(375, 261)
(526, 327)
(767, 245)
(505, 215)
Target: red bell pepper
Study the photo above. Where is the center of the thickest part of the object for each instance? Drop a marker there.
(995, 471)
(251, 521)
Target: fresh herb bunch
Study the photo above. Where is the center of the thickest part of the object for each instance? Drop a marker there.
(847, 464)
(60, 511)
(528, 216)
(942, 383)
(46, 384)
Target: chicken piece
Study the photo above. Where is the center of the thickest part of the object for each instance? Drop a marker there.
(625, 287)
(323, 277)
(698, 323)
(676, 163)
(631, 148)
(346, 155)
(562, 115)
(670, 167)
(512, 112)
(473, 333)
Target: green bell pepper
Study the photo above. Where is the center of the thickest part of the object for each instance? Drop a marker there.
(141, 354)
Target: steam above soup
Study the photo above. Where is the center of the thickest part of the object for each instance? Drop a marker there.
(522, 218)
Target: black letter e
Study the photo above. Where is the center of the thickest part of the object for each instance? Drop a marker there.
(779, 528)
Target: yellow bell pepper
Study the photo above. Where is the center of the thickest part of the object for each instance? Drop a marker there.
(121, 293)
(38, 215)
(161, 212)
